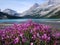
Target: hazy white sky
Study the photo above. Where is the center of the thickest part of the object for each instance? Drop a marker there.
(18, 5)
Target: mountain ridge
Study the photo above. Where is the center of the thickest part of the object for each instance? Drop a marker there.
(45, 10)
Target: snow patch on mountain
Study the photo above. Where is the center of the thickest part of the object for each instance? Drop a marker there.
(11, 12)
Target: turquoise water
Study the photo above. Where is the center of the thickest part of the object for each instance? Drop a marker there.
(23, 20)
(52, 22)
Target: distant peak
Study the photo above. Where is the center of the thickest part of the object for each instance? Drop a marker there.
(9, 9)
(36, 4)
(53, 1)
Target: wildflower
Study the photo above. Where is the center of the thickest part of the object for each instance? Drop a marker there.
(45, 37)
(56, 35)
(16, 40)
(34, 32)
(31, 43)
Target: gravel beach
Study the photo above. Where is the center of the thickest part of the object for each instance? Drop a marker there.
(54, 24)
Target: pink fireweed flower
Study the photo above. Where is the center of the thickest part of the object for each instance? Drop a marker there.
(56, 35)
(21, 34)
(7, 36)
(31, 43)
(31, 29)
(45, 37)
(48, 38)
(24, 39)
(38, 35)
(34, 29)
(16, 40)
(34, 37)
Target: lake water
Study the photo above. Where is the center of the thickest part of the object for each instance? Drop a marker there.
(53, 22)
(23, 20)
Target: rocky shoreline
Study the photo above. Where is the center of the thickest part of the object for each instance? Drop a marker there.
(52, 24)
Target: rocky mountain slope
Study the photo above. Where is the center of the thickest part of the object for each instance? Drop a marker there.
(11, 12)
(8, 16)
(46, 10)
(49, 9)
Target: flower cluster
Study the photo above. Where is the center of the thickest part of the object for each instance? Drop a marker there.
(28, 33)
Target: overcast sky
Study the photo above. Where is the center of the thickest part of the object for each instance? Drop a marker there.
(18, 5)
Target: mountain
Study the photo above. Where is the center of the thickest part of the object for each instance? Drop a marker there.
(2, 16)
(36, 10)
(31, 10)
(11, 12)
(8, 16)
(49, 9)
(46, 10)
(53, 1)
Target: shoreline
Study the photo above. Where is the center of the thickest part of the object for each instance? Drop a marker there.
(53, 24)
